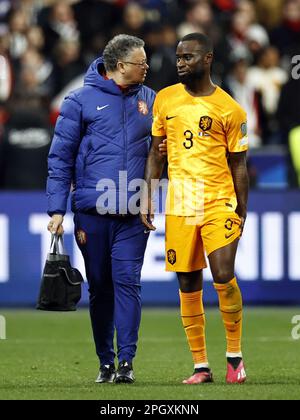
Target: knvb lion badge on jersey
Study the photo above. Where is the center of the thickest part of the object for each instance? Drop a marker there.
(205, 124)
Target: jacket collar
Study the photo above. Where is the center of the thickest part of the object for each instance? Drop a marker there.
(94, 78)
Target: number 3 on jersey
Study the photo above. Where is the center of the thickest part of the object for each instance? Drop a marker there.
(188, 143)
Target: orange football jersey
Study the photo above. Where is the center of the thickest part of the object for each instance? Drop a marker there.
(200, 133)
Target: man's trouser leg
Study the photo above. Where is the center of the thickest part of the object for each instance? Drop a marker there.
(93, 238)
(129, 244)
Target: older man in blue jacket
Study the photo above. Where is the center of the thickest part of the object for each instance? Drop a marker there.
(100, 147)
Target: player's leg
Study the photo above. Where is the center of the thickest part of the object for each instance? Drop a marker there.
(184, 254)
(129, 244)
(224, 236)
(92, 237)
(193, 321)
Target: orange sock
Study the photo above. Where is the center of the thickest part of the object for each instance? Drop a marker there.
(193, 320)
(231, 306)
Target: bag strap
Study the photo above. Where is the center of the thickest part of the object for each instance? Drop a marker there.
(56, 242)
(52, 251)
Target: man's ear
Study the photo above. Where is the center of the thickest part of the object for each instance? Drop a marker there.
(208, 58)
(121, 67)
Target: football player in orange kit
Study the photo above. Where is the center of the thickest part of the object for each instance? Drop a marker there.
(206, 135)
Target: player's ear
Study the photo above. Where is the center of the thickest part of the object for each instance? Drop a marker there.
(208, 58)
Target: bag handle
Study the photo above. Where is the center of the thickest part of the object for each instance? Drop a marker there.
(55, 241)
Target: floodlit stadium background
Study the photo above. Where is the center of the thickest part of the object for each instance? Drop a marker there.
(45, 48)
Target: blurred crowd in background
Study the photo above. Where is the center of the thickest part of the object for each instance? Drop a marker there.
(46, 46)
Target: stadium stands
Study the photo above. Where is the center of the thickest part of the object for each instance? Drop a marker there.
(46, 46)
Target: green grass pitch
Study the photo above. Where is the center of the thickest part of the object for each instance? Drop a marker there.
(51, 356)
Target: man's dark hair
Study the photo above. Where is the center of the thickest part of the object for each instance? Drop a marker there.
(118, 49)
(202, 40)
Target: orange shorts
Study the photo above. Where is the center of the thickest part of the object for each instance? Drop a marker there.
(187, 238)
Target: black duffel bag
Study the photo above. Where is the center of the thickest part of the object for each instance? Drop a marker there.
(61, 283)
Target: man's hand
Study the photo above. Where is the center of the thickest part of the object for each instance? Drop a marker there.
(163, 148)
(55, 225)
(147, 221)
(147, 212)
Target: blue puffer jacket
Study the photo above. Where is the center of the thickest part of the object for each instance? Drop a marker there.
(100, 132)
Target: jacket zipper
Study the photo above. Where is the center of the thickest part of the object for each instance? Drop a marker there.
(125, 134)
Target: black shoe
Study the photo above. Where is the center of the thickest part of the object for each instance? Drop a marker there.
(124, 373)
(107, 374)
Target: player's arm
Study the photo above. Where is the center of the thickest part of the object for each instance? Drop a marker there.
(238, 165)
(153, 172)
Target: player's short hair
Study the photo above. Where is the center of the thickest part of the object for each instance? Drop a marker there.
(118, 49)
(202, 40)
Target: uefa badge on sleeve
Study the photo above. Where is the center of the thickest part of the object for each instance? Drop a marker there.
(244, 128)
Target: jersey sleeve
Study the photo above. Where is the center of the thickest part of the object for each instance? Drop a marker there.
(236, 130)
(158, 127)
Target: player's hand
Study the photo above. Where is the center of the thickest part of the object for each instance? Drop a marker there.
(163, 148)
(147, 220)
(242, 215)
(243, 220)
(147, 212)
(55, 225)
